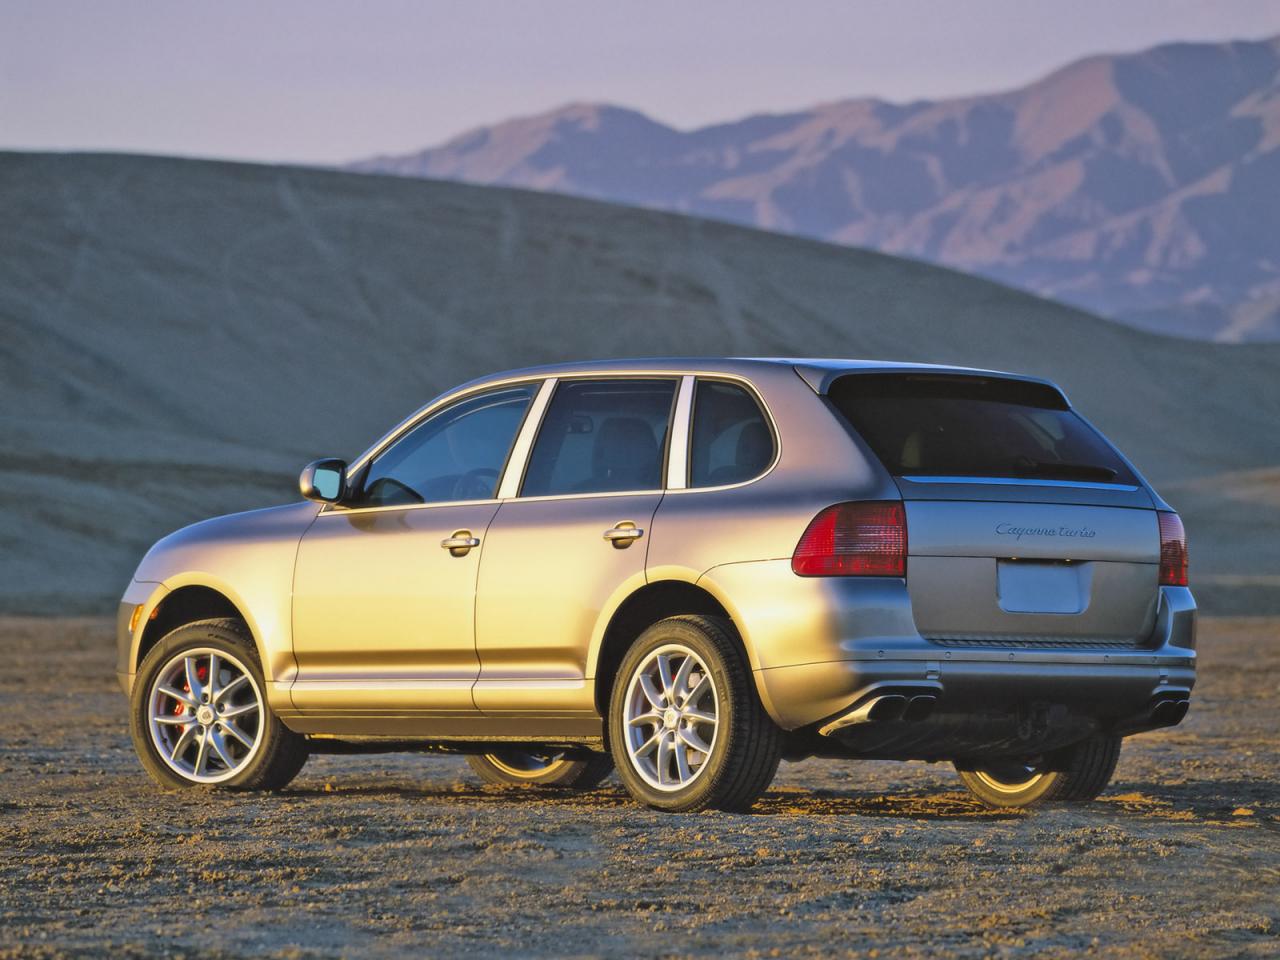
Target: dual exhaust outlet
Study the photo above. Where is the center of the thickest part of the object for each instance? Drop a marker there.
(910, 704)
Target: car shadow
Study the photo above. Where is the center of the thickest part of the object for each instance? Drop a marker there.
(916, 805)
(1211, 801)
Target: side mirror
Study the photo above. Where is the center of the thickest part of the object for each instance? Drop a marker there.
(323, 480)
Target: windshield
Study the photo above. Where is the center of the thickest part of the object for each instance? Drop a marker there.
(974, 426)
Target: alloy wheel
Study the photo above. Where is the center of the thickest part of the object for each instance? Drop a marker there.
(205, 714)
(671, 717)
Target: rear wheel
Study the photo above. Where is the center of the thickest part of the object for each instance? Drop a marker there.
(686, 725)
(199, 714)
(516, 767)
(1077, 773)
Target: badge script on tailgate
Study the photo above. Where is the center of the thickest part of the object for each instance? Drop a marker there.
(1018, 532)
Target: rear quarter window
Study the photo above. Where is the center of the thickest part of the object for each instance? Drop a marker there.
(731, 440)
(972, 426)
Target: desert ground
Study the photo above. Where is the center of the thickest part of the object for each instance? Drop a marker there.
(389, 855)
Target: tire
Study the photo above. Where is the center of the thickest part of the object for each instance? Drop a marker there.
(243, 745)
(730, 770)
(1075, 774)
(524, 768)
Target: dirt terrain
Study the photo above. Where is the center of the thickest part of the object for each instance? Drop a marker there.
(408, 854)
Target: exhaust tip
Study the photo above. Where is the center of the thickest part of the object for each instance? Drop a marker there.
(888, 707)
(918, 708)
(1167, 713)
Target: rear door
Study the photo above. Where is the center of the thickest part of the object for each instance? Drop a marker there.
(1025, 527)
(575, 536)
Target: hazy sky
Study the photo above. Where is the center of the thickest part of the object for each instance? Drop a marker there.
(320, 81)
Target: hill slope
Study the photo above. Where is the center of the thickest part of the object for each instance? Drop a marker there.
(178, 337)
(1144, 187)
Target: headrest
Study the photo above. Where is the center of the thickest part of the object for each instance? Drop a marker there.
(626, 453)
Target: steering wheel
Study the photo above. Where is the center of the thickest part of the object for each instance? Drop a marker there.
(476, 484)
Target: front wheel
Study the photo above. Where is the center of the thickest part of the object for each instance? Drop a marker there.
(514, 767)
(199, 714)
(1079, 772)
(686, 726)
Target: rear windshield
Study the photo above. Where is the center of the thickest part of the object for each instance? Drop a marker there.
(970, 426)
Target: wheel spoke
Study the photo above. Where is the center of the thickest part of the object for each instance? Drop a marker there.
(202, 753)
(178, 719)
(180, 695)
(220, 748)
(648, 746)
(704, 685)
(193, 682)
(682, 761)
(235, 731)
(700, 716)
(231, 688)
(182, 743)
(651, 693)
(690, 738)
(212, 686)
(664, 674)
(680, 685)
(238, 711)
(664, 759)
(644, 719)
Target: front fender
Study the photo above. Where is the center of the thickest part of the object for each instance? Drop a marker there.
(249, 559)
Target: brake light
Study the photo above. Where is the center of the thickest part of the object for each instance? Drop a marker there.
(1173, 550)
(863, 539)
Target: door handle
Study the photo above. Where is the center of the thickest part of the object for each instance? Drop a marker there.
(460, 543)
(623, 534)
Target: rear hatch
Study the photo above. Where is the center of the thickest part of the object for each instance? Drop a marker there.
(1025, 527)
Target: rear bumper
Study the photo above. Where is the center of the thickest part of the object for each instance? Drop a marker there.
(1113, 688)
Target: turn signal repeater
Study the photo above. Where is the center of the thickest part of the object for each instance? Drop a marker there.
(1173, 550)
(137, 615)
(867, 538)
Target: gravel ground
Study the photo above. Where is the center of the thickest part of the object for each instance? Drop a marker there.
(408, 854)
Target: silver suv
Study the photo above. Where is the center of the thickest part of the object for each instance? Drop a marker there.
(688, 570)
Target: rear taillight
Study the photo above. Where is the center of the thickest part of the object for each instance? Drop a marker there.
(864, 539)
(1173, 550)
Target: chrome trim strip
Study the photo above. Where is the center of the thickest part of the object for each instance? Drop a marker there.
(338, 510)
(1025, 482)
(511, 477)
(389, 684)
(678, 457)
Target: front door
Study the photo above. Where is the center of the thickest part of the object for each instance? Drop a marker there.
(384, 587)
(574, 539)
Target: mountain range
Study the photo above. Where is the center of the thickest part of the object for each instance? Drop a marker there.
(1144, 187)
(178, 337)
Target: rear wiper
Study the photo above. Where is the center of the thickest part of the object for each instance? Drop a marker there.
(1025, 466)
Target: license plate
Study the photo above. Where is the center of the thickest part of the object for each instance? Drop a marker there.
(1030, 586)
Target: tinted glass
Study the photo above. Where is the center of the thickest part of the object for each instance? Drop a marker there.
(731, 442)
(601, 435)
(456, 454)
(936, 425)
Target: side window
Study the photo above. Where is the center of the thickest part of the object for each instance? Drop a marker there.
(600, 436)
(455, 454)
(731, 441)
